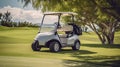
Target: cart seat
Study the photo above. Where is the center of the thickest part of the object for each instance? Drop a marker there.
(62, 35)
(66, 28)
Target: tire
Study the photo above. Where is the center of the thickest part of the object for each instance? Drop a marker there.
(54, 46)
(35, 46)
(76, 45)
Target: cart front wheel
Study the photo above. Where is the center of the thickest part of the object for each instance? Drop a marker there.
(54, 46)
(35, 46)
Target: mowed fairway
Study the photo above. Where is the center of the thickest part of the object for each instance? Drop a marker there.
(15, 51)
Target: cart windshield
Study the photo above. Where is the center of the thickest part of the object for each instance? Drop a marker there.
(49, 23)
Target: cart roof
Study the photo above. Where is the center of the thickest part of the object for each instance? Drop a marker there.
(60, 13)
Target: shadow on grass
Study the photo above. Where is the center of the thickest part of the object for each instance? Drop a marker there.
(71, 52)
(86, 59)
(94, 61)
(102, 46)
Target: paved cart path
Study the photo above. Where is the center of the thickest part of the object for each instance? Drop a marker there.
(9, 61)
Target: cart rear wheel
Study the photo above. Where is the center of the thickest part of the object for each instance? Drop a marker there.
(76, 45)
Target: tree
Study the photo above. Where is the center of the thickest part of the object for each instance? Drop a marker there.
(0, 18)
(108, 12)
(6, 19)
(104, 14)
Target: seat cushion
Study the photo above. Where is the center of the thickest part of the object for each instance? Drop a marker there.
(62, 35)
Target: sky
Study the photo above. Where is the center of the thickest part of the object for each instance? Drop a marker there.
(20, 13)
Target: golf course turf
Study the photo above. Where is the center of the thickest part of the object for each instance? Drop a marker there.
(15, 51)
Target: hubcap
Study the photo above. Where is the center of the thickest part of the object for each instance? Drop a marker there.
(56, 47)
(77, 45)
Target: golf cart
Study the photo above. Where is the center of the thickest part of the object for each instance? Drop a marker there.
(55, 35)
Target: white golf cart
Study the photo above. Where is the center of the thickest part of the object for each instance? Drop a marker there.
(55, 36)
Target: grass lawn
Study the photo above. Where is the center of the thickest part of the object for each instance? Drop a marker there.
(15, 51)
